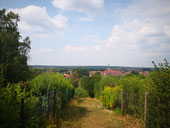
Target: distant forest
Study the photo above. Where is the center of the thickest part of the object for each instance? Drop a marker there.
(93, 68)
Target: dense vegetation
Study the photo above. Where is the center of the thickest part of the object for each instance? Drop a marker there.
(156, 83)
(35, 103)
(80, 93)
(87, 83)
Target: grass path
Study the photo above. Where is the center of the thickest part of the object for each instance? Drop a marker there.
(88, 113)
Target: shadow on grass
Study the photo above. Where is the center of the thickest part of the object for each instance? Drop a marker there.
(74, 113)
(80, 100)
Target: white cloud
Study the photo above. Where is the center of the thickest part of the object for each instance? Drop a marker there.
(146, 8)
(36, 21)
(82, 49)
(89, 7)
(133, 33)
(145, 28)
(142, 36)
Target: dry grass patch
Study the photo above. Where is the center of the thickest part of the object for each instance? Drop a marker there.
(89, 113)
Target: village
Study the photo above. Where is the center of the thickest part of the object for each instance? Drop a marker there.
(109, 72)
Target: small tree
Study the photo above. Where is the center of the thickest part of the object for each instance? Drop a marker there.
(85, 83)
(74, 79)
(81, 72)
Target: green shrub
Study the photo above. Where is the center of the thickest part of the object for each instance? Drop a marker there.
(80, 93)
(134, 89)
(10, 105)
(88, 83)
(34, 95)
(48, 82)
(110, 96)
(159, 96)
(105, 81)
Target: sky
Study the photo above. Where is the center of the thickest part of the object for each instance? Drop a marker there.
(94, 32)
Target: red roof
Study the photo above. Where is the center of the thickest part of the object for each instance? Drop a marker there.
(66, 75)
(108, 72)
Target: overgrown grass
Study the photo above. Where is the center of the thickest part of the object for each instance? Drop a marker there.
(89, 113)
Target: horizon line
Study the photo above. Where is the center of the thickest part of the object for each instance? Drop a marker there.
(86, 66)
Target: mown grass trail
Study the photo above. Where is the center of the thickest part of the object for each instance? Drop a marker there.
(88, 113)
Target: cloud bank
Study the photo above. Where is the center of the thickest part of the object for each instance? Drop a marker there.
(36, 21)
(91, 8)
(143, 35)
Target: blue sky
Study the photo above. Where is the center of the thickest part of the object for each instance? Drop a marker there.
(94, 32)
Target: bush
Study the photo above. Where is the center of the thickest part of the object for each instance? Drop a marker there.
(159, 96)
(134, 89)
(10, 105)
(80, 93)
(110, 97)
(105, 81)
(87, 84)
(34, 97)
(48, 82)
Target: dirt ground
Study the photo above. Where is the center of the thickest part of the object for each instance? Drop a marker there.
(89, 113)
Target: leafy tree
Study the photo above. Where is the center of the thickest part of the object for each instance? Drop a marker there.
(105, 81)
(74, 79)
(81, 72)
(13, 52)
(159, 89)
(85, 82)
(88, 83)
(96, 77)
(136, 73)
(80, 93)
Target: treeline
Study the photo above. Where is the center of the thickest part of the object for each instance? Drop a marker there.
(108, 90)
(65, 69)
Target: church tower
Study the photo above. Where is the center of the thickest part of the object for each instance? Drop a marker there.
(108, 67)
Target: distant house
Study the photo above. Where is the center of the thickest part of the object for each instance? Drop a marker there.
(144, 73)
(66, 75)
(110, 72)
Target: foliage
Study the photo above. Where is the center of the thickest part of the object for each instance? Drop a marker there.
(110, 96)
(13, 53)
(48, 82)
(80, 93)
(74, 79)
(35, 103)
(159, 95)
(81, 71)
(10, 105)
(134, 89)
(96, 77)
(86, 84)
(105, 81)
